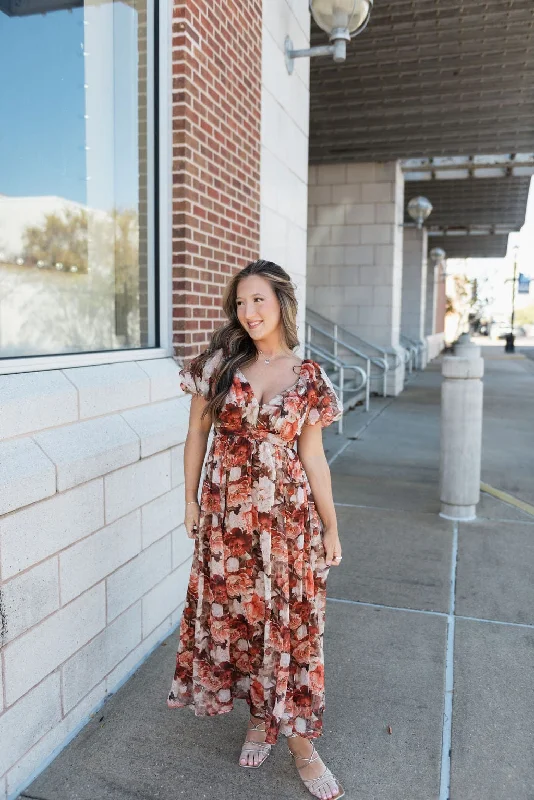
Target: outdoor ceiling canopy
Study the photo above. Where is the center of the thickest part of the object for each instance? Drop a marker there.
(493, 205)
(447, 89)
(473, 209)
(428, 78)
(471, 246)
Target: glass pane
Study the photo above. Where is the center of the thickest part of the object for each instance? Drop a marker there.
(74, 191)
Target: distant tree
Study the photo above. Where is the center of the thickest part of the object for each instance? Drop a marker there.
(60, 240)
(106, 246)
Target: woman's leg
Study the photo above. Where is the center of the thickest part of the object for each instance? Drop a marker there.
(311, 766)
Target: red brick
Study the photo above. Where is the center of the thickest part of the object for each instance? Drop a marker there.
(216, 109)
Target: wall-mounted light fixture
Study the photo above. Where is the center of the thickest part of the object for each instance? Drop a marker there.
(438, 256)
(419, 209)
(341, 20)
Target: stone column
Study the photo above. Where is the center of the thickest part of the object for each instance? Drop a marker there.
(432, 277)
(461, 433)
(355, 252)
(414, 289)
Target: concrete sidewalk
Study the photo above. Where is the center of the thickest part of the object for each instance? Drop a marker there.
(420, 607)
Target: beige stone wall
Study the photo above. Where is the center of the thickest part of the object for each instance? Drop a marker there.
(355, 243)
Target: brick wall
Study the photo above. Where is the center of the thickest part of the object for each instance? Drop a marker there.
(216, 108)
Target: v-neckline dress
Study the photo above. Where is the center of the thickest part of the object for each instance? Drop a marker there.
(253, 620)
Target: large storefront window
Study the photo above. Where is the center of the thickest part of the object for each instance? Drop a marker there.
(76, 177)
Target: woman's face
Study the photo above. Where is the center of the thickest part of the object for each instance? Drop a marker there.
(257, 307)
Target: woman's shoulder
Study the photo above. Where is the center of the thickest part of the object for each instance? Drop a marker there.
(214, 356)
(313, 369)
(319, 382)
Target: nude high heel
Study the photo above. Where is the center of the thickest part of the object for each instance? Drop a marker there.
(262, 748)
(314, 785)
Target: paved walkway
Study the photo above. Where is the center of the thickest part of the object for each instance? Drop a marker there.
(420, 607)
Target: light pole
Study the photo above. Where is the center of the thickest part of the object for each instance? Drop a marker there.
(510, 337)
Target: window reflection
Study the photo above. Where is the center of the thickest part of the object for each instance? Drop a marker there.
(73, 178)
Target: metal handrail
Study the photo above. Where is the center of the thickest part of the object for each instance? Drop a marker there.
(386, 353)
(410, 356)
(417, 347)
(381, 363)
(341, 366)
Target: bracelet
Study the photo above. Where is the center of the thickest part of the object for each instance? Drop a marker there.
(192, 501)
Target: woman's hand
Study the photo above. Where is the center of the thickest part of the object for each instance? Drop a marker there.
(192, 518)
(332, 547)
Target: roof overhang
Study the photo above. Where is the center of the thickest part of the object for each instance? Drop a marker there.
(427, 78)
(481, 198)
(447, 89)
(456, 246)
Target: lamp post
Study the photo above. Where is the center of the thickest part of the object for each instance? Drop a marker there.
(510, 337)
(438, 256)
(341, 20)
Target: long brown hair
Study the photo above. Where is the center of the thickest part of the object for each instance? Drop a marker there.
(238, 348)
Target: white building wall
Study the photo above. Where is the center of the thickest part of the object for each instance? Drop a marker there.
(284, 143)
(355, 251)
(94, 560)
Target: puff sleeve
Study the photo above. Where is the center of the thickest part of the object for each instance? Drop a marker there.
(199, 384)
(323, 403)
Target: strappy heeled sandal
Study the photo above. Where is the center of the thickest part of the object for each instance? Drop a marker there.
(315, 785)
(262, 748)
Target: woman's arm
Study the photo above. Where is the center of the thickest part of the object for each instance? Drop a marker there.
(311, 453)
(194, 454)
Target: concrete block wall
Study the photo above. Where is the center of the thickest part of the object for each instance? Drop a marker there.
(94, 558)
(355, 243)
(284, 143)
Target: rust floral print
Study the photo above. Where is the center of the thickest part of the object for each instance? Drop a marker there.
(253, 620)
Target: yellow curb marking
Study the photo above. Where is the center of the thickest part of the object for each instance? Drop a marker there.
(508, 498)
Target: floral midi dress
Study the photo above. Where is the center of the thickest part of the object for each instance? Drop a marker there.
(253, 620)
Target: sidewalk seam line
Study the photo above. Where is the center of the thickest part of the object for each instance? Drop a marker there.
(427, 513)
(463, 617)
(446, 739)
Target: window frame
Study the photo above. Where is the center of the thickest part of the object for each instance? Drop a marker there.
(159, 157)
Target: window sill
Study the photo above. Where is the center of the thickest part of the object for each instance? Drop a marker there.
(10, 366)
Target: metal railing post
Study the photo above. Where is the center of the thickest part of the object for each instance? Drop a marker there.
(368, 385)
(341, 385)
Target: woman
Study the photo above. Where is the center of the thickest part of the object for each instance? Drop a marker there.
(265, 530)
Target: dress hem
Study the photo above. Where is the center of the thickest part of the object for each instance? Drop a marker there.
(176, 704)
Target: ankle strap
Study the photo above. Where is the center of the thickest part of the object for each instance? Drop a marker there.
(309, 759)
